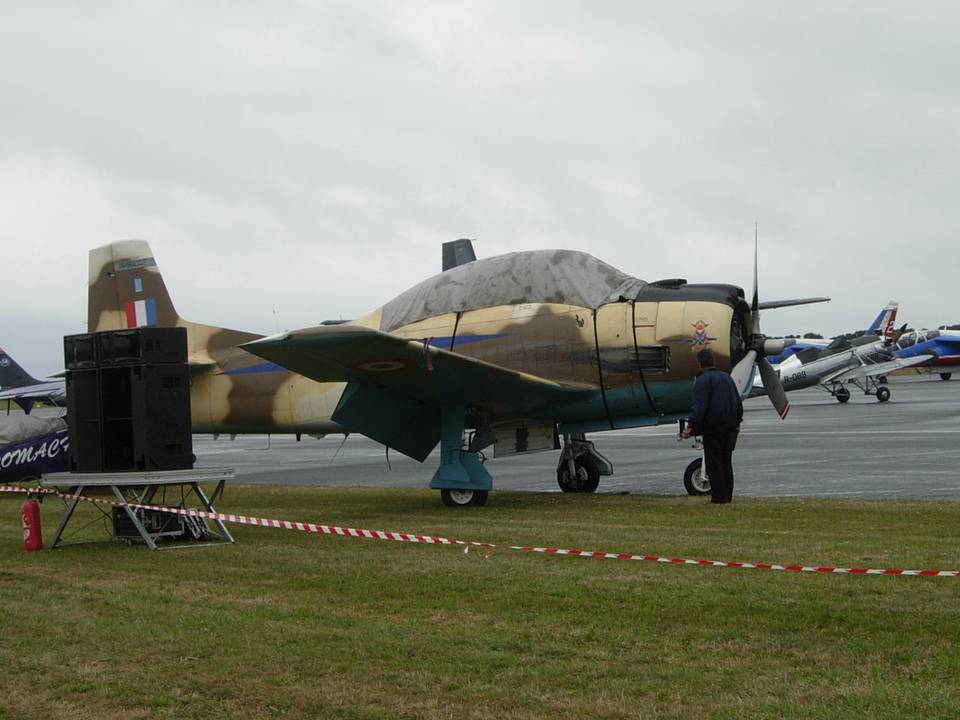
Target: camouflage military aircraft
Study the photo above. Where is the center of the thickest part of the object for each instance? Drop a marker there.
(520, 350)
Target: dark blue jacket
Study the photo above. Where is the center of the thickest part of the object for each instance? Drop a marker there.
(717, 406)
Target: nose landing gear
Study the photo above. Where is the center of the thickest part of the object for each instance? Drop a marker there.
(581, 465)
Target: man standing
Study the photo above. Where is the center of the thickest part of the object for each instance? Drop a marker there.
(717, 414)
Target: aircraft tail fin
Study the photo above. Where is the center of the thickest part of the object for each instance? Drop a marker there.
(883, 323)
(12, 375)
(126, 290)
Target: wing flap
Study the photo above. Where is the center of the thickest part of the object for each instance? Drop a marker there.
(385, 416)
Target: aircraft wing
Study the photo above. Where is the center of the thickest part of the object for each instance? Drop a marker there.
(26, 395)
(396, 387)
(875, 369)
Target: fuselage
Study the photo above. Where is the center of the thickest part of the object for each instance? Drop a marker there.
(639, 357)
(630, 347)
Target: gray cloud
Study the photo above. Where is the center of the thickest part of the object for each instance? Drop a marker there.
(310, 159)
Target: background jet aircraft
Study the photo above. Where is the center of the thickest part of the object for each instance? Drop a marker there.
(19, 386)
(941, 348)
(881, 326)
(521, 349)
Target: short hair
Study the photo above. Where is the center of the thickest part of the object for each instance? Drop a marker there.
(706, 359)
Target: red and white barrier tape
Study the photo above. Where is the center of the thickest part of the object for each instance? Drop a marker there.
(466, 544)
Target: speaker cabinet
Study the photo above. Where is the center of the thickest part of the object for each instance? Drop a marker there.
(80, 352)
(142, 345)
(145, 411)
(127, 414)
(83, 420)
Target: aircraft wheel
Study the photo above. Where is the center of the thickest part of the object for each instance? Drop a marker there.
(694, 480)
(842, 394)
(587, 477)
(883, 394)
(464, 498)
(945, 376)
(882, 379)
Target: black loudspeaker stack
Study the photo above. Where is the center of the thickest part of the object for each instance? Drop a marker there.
(128, 400)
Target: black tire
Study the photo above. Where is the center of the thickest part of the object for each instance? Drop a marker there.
(464, 498)
(883, 394)
(842, 394)
(882, 379)
(693, 480)
(945, 376)
(587, 479)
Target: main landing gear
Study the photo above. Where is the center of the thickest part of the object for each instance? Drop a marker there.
(461, 478)
(945, 376)
(581, 465)
(869, 386)
(464, 498)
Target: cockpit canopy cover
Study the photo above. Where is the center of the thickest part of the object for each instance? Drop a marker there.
(564, 277)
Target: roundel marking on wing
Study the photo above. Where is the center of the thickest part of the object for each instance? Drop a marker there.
(384, 366)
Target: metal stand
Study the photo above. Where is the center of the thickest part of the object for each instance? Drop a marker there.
(140, 488)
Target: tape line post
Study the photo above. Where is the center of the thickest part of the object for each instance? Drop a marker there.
(393, 536)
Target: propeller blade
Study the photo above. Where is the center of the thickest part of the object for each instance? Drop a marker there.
(755, 303)
(775, 391)
(771, 304)
(742, 372)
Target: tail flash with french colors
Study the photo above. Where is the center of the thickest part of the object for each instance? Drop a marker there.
(889, 318)
(883, 323)
(126, 289)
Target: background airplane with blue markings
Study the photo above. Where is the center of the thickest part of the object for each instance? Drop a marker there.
(20, 387)
(940, 348)
(882, 326)
(862, 362)
(520, 352)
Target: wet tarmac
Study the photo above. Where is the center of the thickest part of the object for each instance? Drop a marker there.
(908, 447)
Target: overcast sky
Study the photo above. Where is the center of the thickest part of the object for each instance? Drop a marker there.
(293, 162)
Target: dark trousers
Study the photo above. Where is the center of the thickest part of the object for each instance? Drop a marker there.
(718, 453)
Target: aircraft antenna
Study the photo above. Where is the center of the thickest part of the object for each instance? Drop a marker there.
(339, 447)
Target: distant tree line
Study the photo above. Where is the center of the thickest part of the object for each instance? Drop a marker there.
(851, 335)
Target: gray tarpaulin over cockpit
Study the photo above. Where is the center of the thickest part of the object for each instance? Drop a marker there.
(565, 277)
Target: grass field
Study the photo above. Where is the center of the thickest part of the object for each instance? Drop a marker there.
(285, 624)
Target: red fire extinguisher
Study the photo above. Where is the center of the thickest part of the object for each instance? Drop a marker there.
(30, 514)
